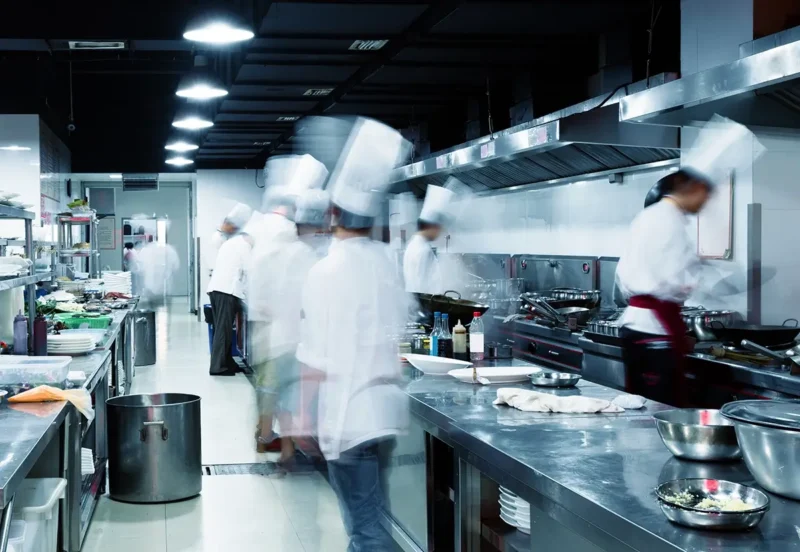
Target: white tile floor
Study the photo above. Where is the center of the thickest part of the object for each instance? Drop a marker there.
(241, 512)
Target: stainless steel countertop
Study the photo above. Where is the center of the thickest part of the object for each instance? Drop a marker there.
(26, 429)
(118, 317)
(601, 468)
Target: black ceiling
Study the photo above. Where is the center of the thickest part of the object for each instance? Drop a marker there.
(431, 74)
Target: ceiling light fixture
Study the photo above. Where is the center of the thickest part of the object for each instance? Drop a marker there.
(179, 161)
(217, 28)
(200, 83)
(115, 176)
(192, 123)
(14, 147)
(181, 146)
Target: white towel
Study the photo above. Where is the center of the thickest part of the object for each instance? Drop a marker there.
(533, 401)
(630, 402)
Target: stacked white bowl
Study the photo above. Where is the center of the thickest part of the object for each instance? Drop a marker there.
(515, 511)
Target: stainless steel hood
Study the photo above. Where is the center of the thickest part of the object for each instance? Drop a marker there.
(583, 139)
(762, 89)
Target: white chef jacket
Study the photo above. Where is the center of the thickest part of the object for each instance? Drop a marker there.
(157, 264)
(230, 272)
(353, 304)
(421, 269)
(660, 260)
(277, 272)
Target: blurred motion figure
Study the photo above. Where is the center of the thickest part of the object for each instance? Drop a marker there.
(353, 303)
(157, 264)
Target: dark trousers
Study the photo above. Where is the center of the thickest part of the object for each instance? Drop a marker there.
(356, 478)
(654, 369)
(225, 308)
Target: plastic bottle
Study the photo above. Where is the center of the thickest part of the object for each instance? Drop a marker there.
(446, 338)
(39, 336)
(20, 334)
(476, 337)
(460, 342)
(437, 330)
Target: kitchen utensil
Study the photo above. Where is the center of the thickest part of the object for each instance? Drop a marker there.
(495, 375)
(685, 512)
(555, 379)
(455, 307)
(496, 350)
(580, 314)
(433, 365)
(778, 414)
(703, 435)
(766, 336)
(787, 358)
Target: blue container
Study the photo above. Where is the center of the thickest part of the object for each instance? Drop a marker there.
(234, 348)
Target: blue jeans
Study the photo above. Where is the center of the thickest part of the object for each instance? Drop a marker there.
(356, 478)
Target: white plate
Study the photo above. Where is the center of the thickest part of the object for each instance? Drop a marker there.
(520, 519)
(496, 375)
(516, 504)
(434, 364)
(514, 523)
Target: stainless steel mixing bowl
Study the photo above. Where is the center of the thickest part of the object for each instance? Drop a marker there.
(703, 435)
(555, 379)
(772, 456)
(685, 512)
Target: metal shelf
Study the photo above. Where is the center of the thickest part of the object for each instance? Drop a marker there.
(77, 219)
(11, 283)
(7, 211)
(78, 253)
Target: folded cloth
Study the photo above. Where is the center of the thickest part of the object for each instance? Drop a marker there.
(533, 401)
(630, 402)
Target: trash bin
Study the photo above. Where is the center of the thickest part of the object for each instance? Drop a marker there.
(144, 322)
(208, 314)
(154, 448)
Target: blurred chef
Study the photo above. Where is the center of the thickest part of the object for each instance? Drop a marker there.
(231, 225)
(660, 267)
(157, 265)
(421, 268)
(277, 271)
(353, 302)
(227, 290)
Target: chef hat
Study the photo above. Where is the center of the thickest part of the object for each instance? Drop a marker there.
(721, 146)
(288, 176)
(361, 177)
(312, 206)
(437, 206)
(239, 215)
(254, 223)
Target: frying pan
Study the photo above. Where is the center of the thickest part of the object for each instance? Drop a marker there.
(766, 336)
(455, 307)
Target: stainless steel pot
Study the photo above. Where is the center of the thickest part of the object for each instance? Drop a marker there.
(154, 447)
(697, 434)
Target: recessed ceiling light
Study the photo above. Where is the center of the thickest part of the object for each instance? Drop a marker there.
(200, 83)
(368, 44)
(287, 118)
(115, 176)
(14, 147)
(179, 161)
(192, 123)
(317, 91)
(181, 146)
(217, 32)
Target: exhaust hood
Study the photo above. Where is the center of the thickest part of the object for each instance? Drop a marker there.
(587, 138)
(762, 89)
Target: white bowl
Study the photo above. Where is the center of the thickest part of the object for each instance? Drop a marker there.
(496, 375)
(435, 365)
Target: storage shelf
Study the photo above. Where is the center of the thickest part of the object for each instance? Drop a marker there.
(11, 283)
(76, 219)
(9, 212)
(77, 253)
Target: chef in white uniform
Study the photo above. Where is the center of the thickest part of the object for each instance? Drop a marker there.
(353, 302)
(227, 291)
(233, 223)
(277, 272)
(660, 268)
(421, 268)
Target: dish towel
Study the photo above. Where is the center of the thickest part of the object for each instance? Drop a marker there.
(533, 401)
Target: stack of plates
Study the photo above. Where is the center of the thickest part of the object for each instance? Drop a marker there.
(515, 511)
(119, 282)
(70, 344)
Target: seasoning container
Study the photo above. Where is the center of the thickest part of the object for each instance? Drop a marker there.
(445, 341)
(20, 334)
(460, 342)
(39, 336)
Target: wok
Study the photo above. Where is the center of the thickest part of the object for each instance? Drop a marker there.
(766, 336)
(456, 307)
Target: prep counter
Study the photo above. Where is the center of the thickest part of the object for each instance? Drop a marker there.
(589, 478)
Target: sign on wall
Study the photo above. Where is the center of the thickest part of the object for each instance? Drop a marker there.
(106, 228)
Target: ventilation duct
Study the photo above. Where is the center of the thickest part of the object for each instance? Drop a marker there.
(139, 182)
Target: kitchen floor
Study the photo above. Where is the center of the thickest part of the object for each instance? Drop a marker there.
(297, 513)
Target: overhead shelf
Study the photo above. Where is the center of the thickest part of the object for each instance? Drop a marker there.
(77, 253)
(9, 212)
(11, 283)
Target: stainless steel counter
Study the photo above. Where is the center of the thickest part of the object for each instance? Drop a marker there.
(588, 477)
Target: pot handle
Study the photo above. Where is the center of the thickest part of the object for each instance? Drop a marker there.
(452, 291)
(146, 426)
(716, 324)
(796, 322)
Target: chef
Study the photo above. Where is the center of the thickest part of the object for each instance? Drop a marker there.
(353, 302)
(277, 271)
(660, 268)
(421, 268)
(227, 289)
(235, 221)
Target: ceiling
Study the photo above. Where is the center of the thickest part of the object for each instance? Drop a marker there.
(432, 74)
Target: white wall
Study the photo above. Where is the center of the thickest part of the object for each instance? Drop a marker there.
(19, 170)
(170, 201)
(711, 32)
(217, 191)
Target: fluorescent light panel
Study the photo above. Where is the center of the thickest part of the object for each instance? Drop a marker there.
(218, 33)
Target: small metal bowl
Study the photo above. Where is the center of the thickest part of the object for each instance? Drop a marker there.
(555, 379)
(686, 513)
(696, 434)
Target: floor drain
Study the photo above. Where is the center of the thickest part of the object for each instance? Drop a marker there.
(263, 468)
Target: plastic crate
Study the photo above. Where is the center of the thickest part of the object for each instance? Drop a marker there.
(36, 503)
(79, 321)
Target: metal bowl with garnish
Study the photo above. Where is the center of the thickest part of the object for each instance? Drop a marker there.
(555, 379)
(712, 504)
